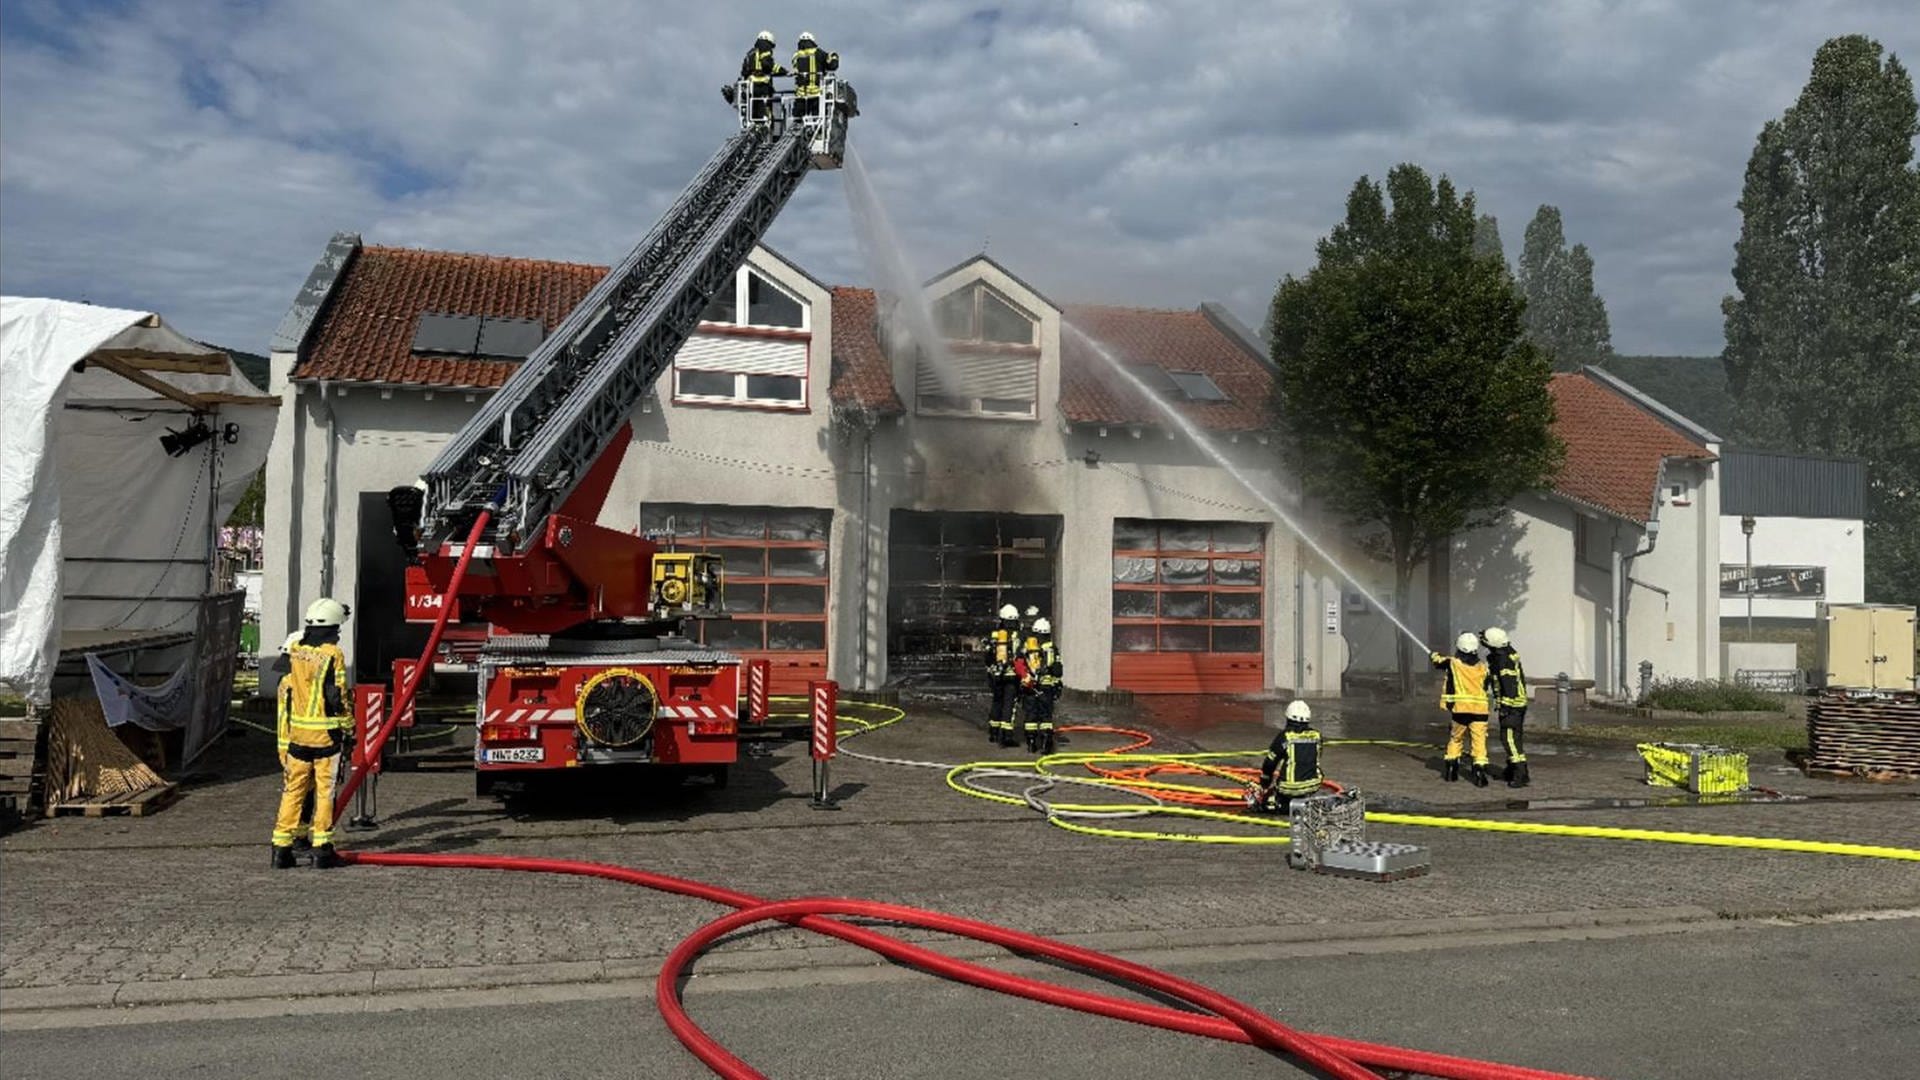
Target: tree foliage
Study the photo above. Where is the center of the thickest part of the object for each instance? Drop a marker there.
(1823, 339)
(1564, 315)
(1408, 396)
(1486, 239)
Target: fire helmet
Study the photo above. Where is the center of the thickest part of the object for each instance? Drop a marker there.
(327, 611)
(1009, 612)
(1468, 642)
(1299, 712)
(766, 36)
(806, 37)
(1495, 638)
(1042, 626)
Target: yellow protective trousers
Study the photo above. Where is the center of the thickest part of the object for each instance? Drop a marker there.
(1465, 726)
(301, 777)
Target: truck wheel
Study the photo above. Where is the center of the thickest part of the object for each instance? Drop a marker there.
(483, 784)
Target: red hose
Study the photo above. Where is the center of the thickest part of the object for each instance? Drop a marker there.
(403, 695)
(1234, 1021)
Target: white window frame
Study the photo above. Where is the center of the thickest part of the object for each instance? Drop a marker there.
(740, 303)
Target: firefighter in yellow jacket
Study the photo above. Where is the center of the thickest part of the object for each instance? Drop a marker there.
(810, 65)
(1043, 671)
(315, 724)
(1467, 695)
(1003, 682)
(1510, 693)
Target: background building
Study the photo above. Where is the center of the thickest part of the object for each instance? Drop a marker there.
(876, 504)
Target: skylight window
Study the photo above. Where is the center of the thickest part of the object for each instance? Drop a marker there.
(1196, 386)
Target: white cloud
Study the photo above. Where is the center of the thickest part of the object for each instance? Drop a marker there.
(193, 156)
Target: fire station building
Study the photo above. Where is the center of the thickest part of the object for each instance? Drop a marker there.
(875, 505)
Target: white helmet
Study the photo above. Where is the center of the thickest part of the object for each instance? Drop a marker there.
(766, 36)
(1009, 612)
(1033, 611)
(1042, 626)
(1496, 638)
(806, 37)
(327, 612)
(287, 645)
(1467, 642)
(1299, 712)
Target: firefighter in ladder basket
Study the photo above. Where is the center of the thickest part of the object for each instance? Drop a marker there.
(758, 68)
(810, 65)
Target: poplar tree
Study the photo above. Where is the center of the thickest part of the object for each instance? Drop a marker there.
(1564, 315)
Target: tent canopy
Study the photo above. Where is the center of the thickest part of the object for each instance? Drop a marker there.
(101, 529)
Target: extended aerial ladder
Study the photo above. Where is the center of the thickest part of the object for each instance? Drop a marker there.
(505, 519)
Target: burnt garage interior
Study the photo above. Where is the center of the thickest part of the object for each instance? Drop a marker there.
(948, 573)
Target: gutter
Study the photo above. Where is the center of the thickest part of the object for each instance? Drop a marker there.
(1623, 576)
(328, 497)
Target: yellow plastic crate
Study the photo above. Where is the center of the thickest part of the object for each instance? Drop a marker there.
(1703, 770)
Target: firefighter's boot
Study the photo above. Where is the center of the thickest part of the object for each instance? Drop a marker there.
(1507, 775)
(1479, 776)
(282, 858)
(324, 857)
(1450, 770)
(1518, 777)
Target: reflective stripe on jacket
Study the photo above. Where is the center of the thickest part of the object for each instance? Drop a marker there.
(1509, 677)
(313, 696)
(808, 64)
(1466, 689)
(760, 66)
(1043, 659)
(1295, 758)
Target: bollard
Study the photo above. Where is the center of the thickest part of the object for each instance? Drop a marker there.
(370, 713)
(757, 691)
(1564, 686)
(1646, 681)
(825, 698)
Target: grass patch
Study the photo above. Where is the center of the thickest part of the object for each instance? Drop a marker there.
(1709, 695)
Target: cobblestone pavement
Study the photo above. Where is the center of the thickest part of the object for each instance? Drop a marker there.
(186, 894)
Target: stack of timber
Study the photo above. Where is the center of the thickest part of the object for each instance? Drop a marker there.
(20, 769)
(1864, 735)
(91, 772)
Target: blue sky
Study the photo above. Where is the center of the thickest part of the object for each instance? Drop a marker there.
(192, 157)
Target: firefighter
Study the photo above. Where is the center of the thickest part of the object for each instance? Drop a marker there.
(1003, 649)
(1510, 694)
(302, 831)
(810, 61)
(1467, 696)
(1043, 687)
(758, 68)
(315, 722)
(1291, 769)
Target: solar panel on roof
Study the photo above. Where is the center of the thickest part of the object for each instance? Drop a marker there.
(510, 339)
(441, 333)
(1196, 386)
(1155, 378)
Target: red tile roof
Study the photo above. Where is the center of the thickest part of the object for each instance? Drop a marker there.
(1093, 392)
(862, 375)
(366, 333)
(1614, 448)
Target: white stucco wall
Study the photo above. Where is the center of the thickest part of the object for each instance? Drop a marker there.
(1835, 543)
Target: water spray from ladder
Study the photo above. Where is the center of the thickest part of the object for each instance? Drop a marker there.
(894, 279)
(1206, 445)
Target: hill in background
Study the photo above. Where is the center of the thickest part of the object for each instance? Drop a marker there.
(1693, 386)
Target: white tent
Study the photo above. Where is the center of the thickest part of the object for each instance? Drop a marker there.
(103, 532)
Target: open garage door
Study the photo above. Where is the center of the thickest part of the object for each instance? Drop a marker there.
(948, 572)
(1187, 606)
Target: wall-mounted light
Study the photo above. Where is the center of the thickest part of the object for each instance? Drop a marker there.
(1746, 524)
(177, 443)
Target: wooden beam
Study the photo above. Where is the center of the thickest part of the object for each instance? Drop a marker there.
(211, 364)
(238, 399)
(135, 375)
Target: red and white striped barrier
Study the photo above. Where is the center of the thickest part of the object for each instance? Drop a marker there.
(758, 672)
(824, 697)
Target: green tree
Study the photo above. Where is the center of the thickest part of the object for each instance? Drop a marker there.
(1409, 399)
(252, 507)
(1486, 239)
(1823, 340)
(1564, 315)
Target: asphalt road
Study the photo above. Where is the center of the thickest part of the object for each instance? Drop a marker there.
(1753, 1000)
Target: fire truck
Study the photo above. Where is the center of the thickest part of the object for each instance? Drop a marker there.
(584, 660)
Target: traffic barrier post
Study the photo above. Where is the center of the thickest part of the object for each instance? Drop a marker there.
(825, 699)
(758, 672)
(369, 714)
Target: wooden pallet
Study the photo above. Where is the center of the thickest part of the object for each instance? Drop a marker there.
(134, 803)
(19, 758)
(1853, 735)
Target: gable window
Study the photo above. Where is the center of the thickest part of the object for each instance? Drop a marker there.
(730, 364)
(764, 303)
(978, 313)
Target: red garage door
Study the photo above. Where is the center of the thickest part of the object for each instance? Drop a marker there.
(776, 563)
(1187, 615)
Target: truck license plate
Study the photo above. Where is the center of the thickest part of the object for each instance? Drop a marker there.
(516, 754)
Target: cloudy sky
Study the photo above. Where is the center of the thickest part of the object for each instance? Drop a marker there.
(193, 156)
